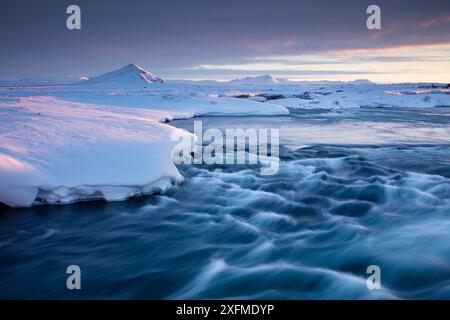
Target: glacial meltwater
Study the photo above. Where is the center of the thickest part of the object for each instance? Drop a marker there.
(355, 188)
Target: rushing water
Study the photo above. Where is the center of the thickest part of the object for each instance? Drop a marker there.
(354, 188)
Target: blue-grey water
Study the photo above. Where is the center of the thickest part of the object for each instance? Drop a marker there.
(354, 188)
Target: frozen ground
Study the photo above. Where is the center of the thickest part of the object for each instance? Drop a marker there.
(103, 138)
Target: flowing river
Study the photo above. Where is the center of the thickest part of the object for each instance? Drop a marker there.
(355, 187)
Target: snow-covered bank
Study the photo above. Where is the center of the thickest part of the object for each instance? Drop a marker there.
(355, 94)
(56, 151)
(368, 96)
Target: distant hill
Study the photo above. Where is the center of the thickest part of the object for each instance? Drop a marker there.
(264, 79)
(131, 75)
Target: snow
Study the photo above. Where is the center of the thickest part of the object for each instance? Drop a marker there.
(103, 138)
(61, 151)
(370, 96)
(355, 94)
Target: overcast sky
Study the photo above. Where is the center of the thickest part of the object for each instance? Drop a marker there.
(215, 39)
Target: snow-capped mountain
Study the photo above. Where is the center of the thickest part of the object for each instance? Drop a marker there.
(361, 81)
(264, 79)
(131, 75)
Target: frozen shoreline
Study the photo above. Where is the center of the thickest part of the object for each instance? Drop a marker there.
(59, 151)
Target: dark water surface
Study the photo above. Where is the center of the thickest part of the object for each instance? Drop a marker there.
(378, 193)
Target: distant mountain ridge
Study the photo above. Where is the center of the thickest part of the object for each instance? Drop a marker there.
(263, 79)
(267, 79)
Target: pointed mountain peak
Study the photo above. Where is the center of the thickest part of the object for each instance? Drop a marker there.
(131, 75)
